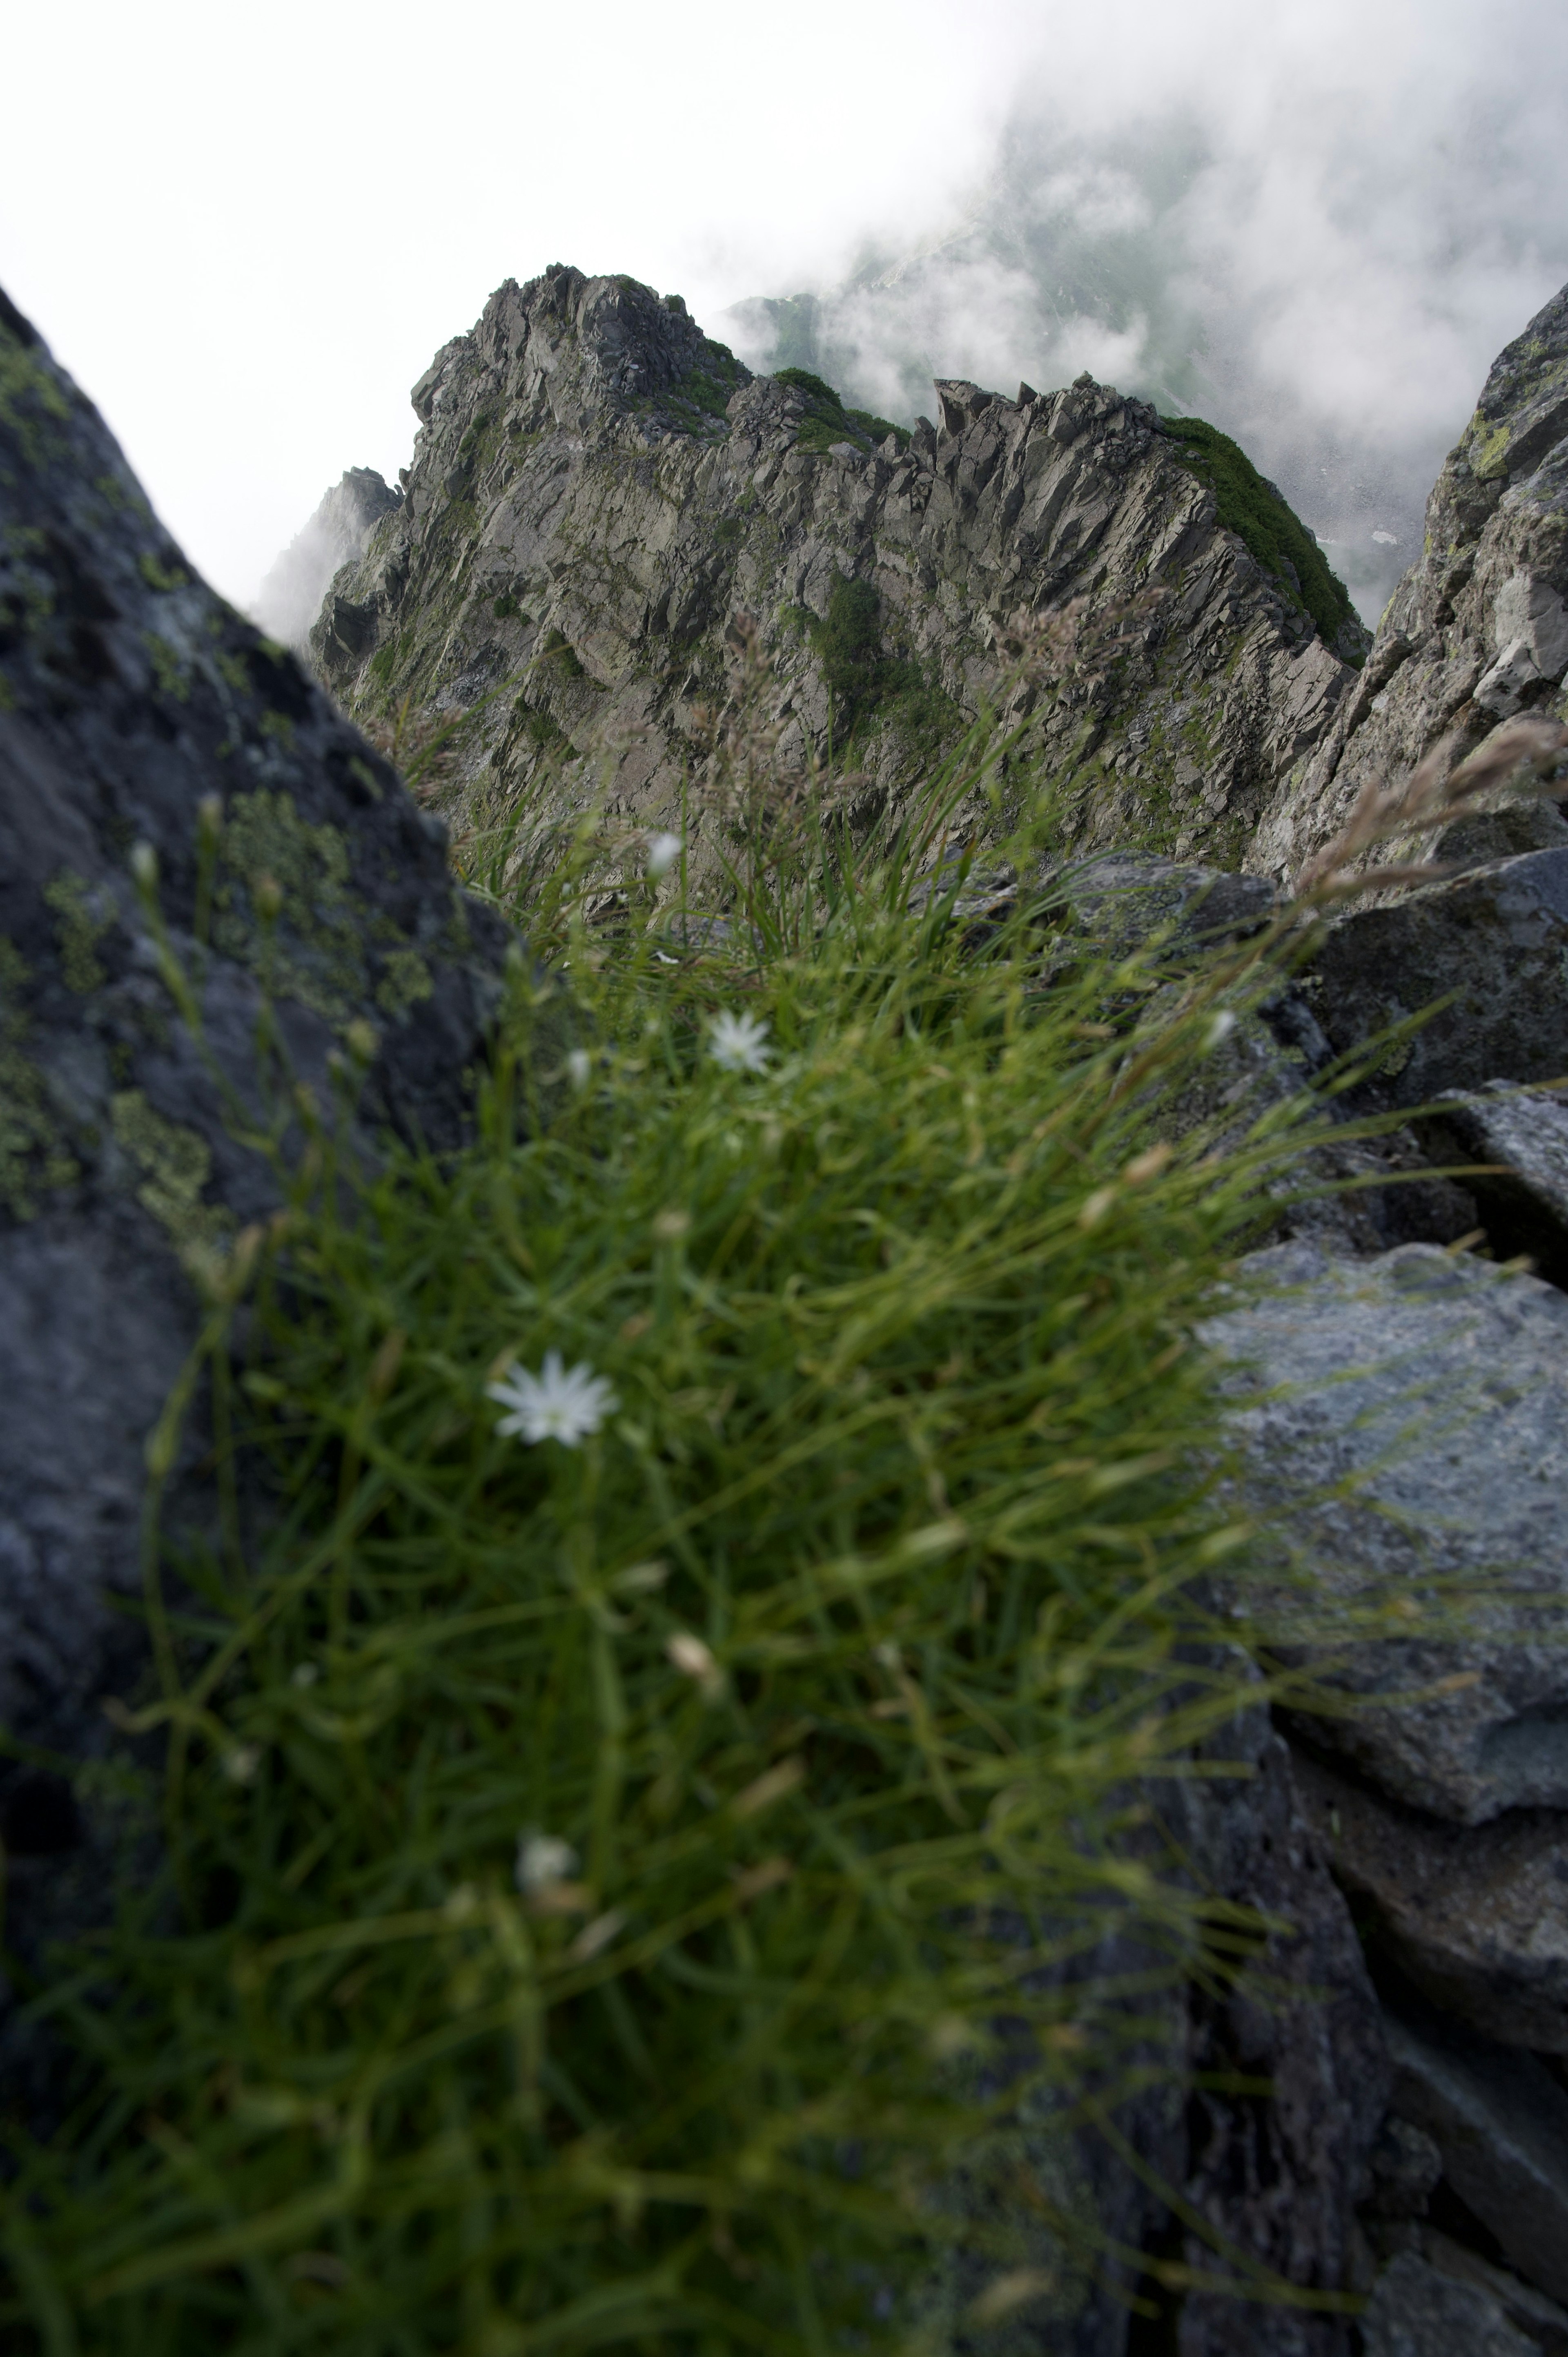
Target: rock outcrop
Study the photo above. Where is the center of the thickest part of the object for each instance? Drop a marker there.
(601, 499)
(189, 833)
(1478, 631)
(1488, 952)
(290, 597)
(1519, 1140)
(1409, 1443)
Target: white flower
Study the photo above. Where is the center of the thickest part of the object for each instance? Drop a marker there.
(562, 1403)
(1219, 1029)
(541, 1859)
(663, 851)
(578, 1066)
(735, 1042)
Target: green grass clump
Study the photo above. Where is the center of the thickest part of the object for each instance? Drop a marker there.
(622, 1895)
(1272, 532)
(828, 422)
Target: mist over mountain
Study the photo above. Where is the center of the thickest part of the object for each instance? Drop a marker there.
(1317, 251)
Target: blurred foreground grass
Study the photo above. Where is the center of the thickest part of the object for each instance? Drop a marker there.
(614, 1883)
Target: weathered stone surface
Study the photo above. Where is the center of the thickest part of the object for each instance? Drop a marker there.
(1502, 834)
(1414, 2311)
(1476, 1916)
(1127, 898)
(136, 708)
(1405, 2164)
(1500, 2120)
(1494, 944)
(290, 597)
(600, 495)
(1541, 2320)
(1413, 1452)
(1275, 2180)
(1526, 1204)
(1478, 631)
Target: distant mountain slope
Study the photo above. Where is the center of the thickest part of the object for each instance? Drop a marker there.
(290, 597)
(600, 496)
(1078, 255)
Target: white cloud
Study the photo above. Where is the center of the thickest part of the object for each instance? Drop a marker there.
(247, 235)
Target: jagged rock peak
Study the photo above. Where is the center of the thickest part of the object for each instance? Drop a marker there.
(1478, 631)
(290, 597)
(603, 502)
(572, 351)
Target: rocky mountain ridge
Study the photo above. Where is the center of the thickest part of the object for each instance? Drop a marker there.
(602, 502)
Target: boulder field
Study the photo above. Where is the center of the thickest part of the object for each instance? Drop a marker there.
(598, 496)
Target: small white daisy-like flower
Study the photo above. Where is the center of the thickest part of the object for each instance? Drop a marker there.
(559, 1403)
(543, 1859)
(663, 851)
(736, 1043)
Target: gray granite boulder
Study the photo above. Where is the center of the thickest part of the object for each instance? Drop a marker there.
(1492, 947)
(1407, 1450)
(196, 850)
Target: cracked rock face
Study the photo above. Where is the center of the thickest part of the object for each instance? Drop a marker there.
(136, 709)
(1417, 2312)
(1500, 2121)
(1477, 1915)
(599, 496)
(1416, 1443)
(1523, 1134)
(1493, 945)
(1478, 631)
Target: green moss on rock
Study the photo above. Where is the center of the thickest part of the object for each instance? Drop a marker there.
(35, 1153)
(78, 932)
(1273, 533)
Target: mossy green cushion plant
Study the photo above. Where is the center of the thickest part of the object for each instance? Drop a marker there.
(599, 1863)
(1251, 508)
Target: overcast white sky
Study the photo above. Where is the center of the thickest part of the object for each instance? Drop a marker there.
(246, 231)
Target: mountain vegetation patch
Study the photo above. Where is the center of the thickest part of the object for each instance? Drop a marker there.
(1249, 505)
(828, 422)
